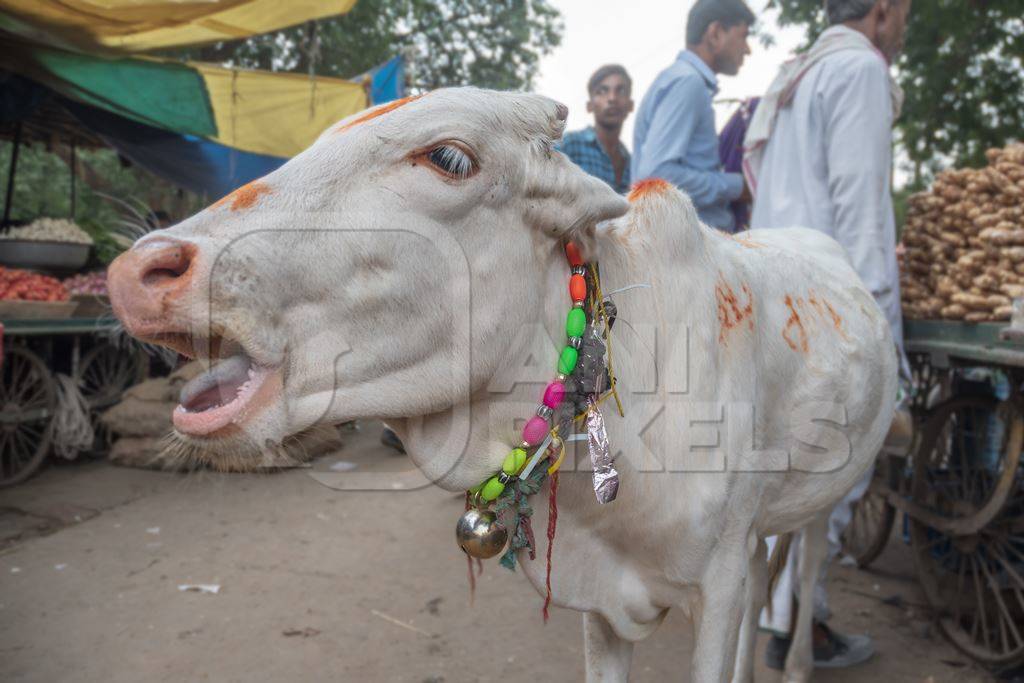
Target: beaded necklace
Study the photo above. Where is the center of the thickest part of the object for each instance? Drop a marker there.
(498, 505)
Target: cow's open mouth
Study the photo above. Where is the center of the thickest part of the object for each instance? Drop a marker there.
(225, 393)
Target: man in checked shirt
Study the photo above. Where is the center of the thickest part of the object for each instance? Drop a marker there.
(597, 149)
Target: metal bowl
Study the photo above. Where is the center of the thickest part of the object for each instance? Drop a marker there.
(38, 255)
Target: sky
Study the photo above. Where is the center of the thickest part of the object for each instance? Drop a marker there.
(645, 39)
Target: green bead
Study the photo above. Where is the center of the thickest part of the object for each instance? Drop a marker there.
(575, 323)
(567, 362)
(514, 461)
(492, 489)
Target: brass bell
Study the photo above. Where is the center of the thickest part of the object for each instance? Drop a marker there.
(479, 534)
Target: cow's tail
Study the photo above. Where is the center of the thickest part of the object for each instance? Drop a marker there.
(776, 563)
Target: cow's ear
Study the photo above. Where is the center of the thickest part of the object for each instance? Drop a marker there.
(562, 199)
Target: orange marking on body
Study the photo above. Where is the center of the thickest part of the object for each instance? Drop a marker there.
(742, 241)
(794, 321)
(245, 196)
(826, 312)
(379, 111)
(813, 300)
(648, 186)
(837, 321)
(730, 314)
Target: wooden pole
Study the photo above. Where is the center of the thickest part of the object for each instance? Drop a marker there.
(9, 199)
(74, 174)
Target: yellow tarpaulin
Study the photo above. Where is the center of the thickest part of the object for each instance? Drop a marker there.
(276, 113)
(141, 25)
(273, 113)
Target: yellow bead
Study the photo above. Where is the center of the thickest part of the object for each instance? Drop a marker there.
(514, 461)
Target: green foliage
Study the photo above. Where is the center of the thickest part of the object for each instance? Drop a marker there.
(42, 188)
(42, 183)
(495, 44)
(963, 74)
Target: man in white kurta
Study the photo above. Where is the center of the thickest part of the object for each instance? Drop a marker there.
(820, 156)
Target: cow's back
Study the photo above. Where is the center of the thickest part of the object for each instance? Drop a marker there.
(825, 380)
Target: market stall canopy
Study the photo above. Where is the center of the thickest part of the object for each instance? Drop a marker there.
(131, 26)
(201, 165)
(269, 113)
(189, 161)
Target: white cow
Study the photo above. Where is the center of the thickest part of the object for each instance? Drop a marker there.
(409, 266)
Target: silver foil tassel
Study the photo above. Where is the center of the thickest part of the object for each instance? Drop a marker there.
(606, 478)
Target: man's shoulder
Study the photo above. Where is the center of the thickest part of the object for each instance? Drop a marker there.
(682, 77)
(576, 137)
(849, 65)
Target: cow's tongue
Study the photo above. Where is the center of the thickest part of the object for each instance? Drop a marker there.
(217, 386)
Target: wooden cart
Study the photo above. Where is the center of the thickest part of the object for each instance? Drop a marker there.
(959, 486)
(86, 349)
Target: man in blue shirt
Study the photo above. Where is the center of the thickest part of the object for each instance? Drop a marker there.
(675, 136)
(597, 149)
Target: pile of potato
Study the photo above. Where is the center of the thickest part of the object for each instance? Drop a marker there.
(964, 242)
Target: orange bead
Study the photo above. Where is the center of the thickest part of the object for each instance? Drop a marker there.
(572, 252)
(577, 288)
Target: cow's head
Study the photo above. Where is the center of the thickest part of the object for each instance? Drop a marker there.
(383, 272)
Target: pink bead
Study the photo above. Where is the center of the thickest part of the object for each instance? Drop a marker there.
(554, 394)
(535, 430)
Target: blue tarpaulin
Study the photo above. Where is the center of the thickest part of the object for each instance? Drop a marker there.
(387, 81)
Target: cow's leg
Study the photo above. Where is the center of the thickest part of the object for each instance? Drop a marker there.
(723, 596)
(608, 655)
(813, 548)
(756, 593)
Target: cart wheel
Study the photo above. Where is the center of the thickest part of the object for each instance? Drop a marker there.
(966, 465)
(106, 371)
(927, 380)
(869, 530)
(28, 398)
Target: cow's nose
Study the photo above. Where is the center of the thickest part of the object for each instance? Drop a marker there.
(147, 280)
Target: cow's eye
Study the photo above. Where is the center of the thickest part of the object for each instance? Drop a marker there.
(452, 160)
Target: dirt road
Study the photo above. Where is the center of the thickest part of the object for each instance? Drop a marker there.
(321, 585)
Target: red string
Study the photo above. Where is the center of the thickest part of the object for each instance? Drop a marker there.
(528, 531)
(552, 524)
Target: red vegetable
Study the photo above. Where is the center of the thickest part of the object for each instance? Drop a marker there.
(21, 285)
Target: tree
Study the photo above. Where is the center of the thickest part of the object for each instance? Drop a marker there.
(108, 191)
(489, 43)
(962, 71)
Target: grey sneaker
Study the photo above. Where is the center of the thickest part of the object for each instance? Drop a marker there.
(839, 652)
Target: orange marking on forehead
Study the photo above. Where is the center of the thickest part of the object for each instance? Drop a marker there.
(794, 321)
(378, 111)
(244, 197)
(648, 186)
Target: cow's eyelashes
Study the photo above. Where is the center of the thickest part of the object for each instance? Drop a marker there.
(451, 160)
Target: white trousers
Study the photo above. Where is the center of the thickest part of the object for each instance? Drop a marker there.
(779, 619)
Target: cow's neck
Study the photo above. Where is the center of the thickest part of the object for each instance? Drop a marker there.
(463, 446)
(466, 444)
(598, 544)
